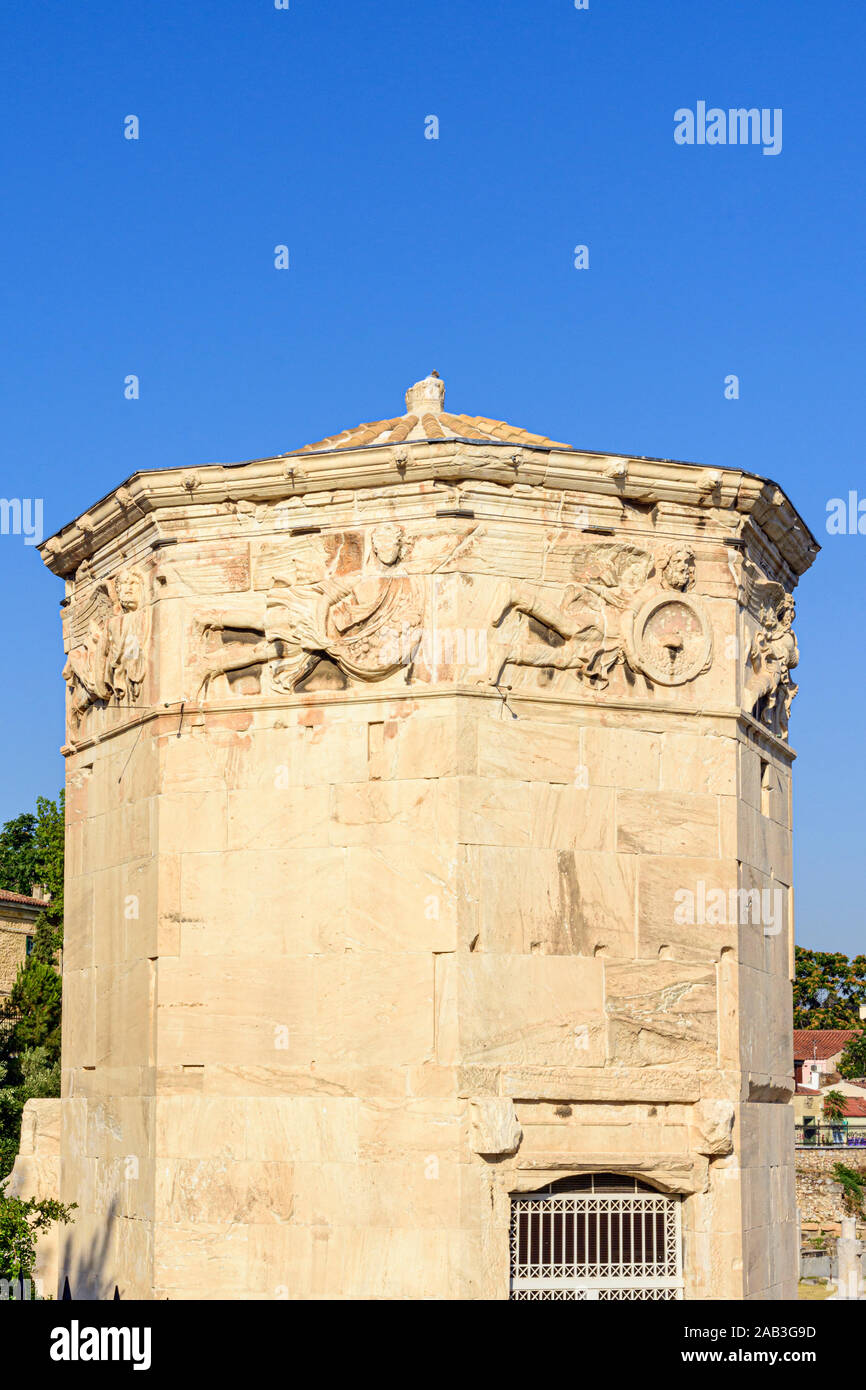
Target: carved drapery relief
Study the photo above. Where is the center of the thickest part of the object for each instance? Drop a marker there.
(773, 654)
(361, 604)
(362, 607)
(347, 619)
(109, 634)
(312, 614)
(612, 615)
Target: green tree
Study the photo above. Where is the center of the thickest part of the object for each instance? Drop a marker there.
(10, 1123)
(18, 854)
(31, 851)
(20, 1224)
(828, 989)
(36, 997)
(834, 1107)
(852, 1063)
(48, 839)
(40, 1077)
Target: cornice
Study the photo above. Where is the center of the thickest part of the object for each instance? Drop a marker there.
(153, 496)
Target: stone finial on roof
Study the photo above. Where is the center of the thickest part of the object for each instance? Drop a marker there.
(426, 397)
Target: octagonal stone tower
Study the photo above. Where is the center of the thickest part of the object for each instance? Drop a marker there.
(429, 843)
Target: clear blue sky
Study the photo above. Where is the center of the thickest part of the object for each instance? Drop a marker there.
(306, 127)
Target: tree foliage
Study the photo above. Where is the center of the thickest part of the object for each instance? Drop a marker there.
(50, 840)
(18, 870)
(20, 1224)
(30, 1076)
(10, 1123)
(36, 998)
(31, 851)
(828, 989)
(852, 1063)
(835, 1105)
(853, 1182)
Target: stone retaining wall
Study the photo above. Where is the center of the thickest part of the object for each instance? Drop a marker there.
(819, 1198)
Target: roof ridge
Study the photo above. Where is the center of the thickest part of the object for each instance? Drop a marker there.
(7, 896)
(426, 419)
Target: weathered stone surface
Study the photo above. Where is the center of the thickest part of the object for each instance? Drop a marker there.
(525, 1010)
(661, 1013)
(667, 823)
(403, 775)
(494, 1126)
(712, 1121)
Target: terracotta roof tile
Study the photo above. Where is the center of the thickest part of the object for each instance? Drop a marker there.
(463, 426)
(435, 423)
(7, 897)
(432, 427)
(821, 1043)
(402, 428)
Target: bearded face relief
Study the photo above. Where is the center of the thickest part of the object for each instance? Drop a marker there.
(626, 610)
(678, 570)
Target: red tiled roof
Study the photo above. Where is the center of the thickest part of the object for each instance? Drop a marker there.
(821, 1043)
(807, 1090)
(855, 1108)
(7, 897)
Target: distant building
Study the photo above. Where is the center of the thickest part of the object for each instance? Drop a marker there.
(817, 1054)
(18, 916)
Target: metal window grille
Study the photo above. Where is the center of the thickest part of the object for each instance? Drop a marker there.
(599, 1237)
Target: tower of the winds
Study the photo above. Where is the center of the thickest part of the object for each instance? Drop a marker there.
(429, 920)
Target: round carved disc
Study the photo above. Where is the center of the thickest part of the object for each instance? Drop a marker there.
(673, 639)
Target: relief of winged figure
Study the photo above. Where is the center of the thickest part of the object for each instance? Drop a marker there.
(769, 691)
(309, 615)
(588, 624)
(109, 636)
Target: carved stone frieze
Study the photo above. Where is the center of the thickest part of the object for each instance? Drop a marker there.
(773, 654)
(314, 612)
(613, 615)
(365, 604)
(109, 636)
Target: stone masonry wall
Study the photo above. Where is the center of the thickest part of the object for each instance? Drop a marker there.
(13, 953)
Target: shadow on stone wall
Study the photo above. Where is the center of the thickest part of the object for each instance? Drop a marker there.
(86, 1274)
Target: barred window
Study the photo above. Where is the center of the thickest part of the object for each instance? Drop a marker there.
(600, 1236)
